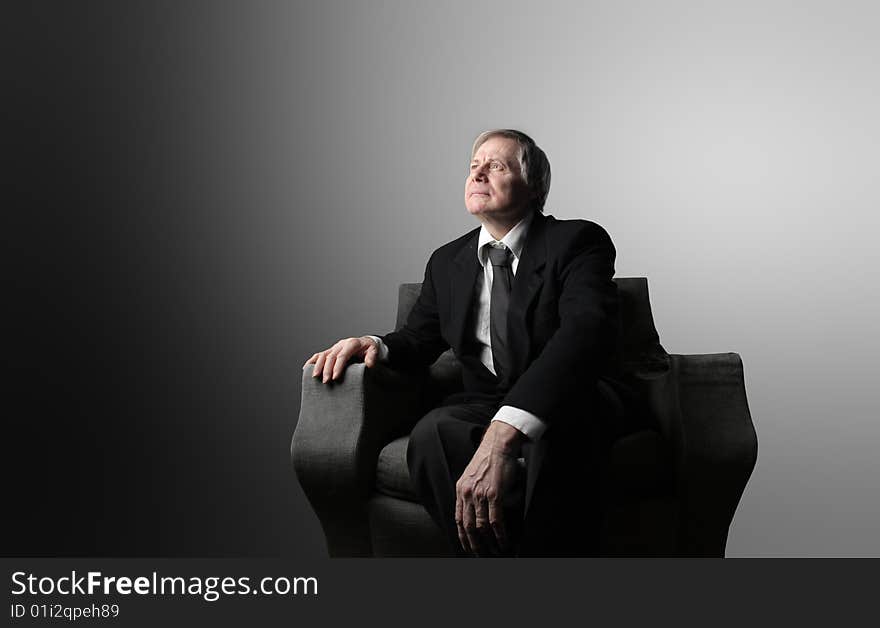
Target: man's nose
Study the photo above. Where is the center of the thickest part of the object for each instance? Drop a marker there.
(478, 173)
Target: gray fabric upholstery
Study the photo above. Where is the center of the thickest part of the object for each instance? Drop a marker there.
(640, 349)
(403, 528)
(341, 429)
(671, 491)
(392, 474)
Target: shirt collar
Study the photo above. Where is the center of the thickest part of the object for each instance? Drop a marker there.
(514, 240)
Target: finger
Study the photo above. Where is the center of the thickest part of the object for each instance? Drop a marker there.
(341, 363)
(470, 528)
(319, 364)
(497, 524)
(459, 522)
(484, 531)
(370, 356)
(462, 537)
(311, 360)
(327, 373)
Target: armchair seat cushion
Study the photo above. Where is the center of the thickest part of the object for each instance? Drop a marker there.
(392, 473)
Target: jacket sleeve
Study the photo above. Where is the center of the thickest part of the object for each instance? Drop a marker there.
(419, 342)
(583, 343)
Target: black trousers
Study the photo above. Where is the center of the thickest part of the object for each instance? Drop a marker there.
(560, 516)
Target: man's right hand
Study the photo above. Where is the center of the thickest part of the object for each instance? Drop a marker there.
(330, 364)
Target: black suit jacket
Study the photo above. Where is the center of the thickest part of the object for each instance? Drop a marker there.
(562, 318)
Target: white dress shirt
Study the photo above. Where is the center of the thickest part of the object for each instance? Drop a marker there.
(525, 422)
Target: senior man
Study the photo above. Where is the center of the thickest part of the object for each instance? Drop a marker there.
(528, 305)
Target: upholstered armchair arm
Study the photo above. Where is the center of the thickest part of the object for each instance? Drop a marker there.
(718, 447)
(341, 429)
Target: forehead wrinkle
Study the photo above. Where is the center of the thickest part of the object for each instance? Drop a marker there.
(498, 157)
(506, 143)
(507, 159)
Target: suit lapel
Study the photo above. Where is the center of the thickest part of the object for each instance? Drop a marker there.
(463, 278)
(526, 285)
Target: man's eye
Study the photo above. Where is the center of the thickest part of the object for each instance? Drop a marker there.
(495, 166)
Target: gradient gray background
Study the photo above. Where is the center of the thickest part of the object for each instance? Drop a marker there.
(247, 183)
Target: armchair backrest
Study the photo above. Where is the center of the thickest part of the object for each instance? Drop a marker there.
(639, 343)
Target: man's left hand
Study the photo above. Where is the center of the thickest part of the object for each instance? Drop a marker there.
(481, 489)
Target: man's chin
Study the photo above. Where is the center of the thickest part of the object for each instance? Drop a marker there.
(479, 207)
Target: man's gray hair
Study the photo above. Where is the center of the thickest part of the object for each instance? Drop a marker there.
(533, 163)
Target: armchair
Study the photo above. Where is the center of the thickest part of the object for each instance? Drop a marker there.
(670, 487)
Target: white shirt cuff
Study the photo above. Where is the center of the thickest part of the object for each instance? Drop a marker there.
(383, 348)
(525, 422)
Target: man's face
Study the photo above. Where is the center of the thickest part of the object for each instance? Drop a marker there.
(495, 187)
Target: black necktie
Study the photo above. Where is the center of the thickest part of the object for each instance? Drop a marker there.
(502, 279)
